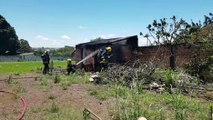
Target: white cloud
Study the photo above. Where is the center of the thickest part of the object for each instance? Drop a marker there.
(142, 41)
(81, 27)
(43, 41)
(65, 37)
(111, 35)
(41, 37)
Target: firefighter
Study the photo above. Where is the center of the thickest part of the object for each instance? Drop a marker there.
(46, 59)
(103, 58)
(70, 66)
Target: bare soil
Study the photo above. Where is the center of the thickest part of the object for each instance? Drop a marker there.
(27, 85)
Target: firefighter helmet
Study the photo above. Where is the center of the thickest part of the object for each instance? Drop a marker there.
(69, 60)
(47, 51)
(109, 49)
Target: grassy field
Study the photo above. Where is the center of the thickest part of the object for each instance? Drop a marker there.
(154, 106)
(65, 97)
(26, 66)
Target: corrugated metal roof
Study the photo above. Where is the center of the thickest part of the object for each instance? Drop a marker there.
(104, 41)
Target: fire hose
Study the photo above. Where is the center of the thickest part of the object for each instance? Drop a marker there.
(24, 103)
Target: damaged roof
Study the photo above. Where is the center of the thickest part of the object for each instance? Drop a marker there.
(104, 41)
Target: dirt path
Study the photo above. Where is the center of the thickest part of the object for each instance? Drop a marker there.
(76, 96)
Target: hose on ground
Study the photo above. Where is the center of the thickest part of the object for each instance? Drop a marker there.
(24, 103)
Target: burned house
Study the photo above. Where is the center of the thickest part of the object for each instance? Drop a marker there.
(126, 49)
(122, 51)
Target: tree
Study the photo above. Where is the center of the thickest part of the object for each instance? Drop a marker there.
(25, 47)
(165, 32)
(39, 51)
(201, 35)
(96, 39)
(8, 38)
(65, 51)
(198, 32)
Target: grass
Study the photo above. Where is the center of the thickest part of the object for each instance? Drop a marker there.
(26, 66)
(51, 97)
(54, 111)
(74, 78)
(64, 81)
(11, 81)
(102, 93)
(54, 108)
(131, 104)
(45, 82)
(20, 90)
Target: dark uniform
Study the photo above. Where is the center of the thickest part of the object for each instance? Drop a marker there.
(103, 58)
(70, 66)
(46, 59)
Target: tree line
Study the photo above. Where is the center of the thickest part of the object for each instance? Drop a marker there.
(175, 31)
(65, 51)
(10, 44)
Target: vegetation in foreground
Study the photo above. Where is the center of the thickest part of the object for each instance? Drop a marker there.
(155, 93)
(133, 96)
(130, 100)
(131, 104)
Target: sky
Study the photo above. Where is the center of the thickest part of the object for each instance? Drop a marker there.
(57, 23)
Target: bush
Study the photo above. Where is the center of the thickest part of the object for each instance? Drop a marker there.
(129, 75)
(203, 70)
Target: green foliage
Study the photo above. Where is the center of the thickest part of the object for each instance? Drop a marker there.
(43, 81)
(39, 51)
(202, 37)
(10, 80)
(202, 69)
(86, 114)
(129, 75)
(20, 90)
(54, 108)
(51, 97)
(132, 101)
(35, 109)
(8, 38)
(74, 78)
(60, 112)
(25, 47)
(179, 31)
(155, 106)
(96, 39)
(65, 51)
(54, 111)
(165, 31)
(211, 111)
(170, 77)
(179, 106)
(57, 78)
(26, 66)
(102, 93)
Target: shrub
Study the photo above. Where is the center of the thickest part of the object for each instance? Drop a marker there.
(57, 78)
(127, 75)
(204, 69)
(54, 108)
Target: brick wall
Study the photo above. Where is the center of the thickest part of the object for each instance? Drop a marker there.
(161, 54)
